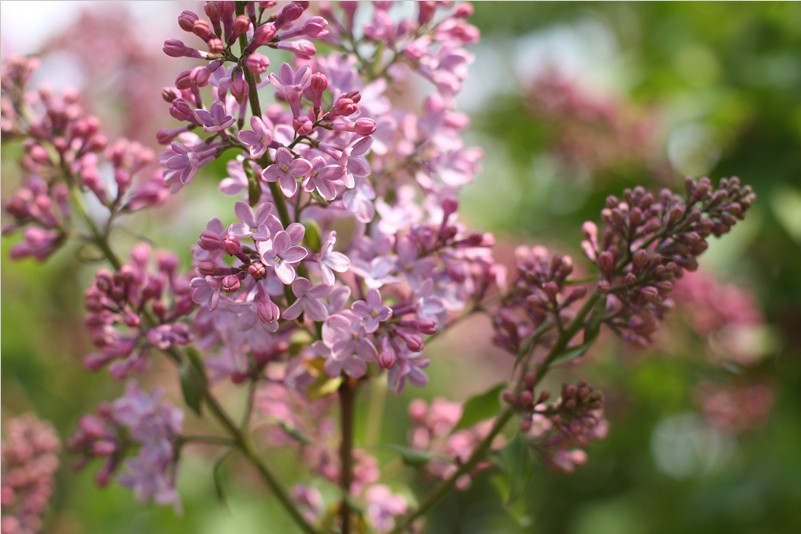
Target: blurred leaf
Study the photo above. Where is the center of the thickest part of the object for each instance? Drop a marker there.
(786, 204)
(412, 457)
(216, 476)
(312, 235)
(480, 407)
(518, 462)
(191, 388)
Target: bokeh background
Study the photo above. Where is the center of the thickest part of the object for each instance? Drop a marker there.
(570, 102)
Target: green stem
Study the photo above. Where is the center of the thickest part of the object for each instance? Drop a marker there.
(480, 451)
(347, 394)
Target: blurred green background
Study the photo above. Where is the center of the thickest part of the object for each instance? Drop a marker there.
(661, 91)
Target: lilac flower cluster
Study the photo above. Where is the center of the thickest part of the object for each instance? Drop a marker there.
(648, 242)
(433, 431)
(64, 150)
(312, 158)
(724, 313)
(140, 421)
(345, 255)
(559, 431)
(29, 462)
(133, 311)
(538, 296)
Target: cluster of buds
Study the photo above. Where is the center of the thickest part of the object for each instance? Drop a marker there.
(133, 310)
(65, 150)
(559, 431)
(649, 241)
(138, 422)
(726, 314)
(525, 401)
(29, 463)
(735, 408)
(539, 294)
(589, 132)
(433, 431)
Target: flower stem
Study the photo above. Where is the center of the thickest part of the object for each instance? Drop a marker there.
(347, 395)
(481, 450)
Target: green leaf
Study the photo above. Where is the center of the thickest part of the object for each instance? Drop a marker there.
(413, 457)
(480, 407)
(190, 388)
(518, 462)
(312, 235)
(294, 433)
(216, 477)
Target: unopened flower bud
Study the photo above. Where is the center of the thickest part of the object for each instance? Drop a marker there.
(264, 34)
(216, 45)
(303, 125)
(257, 270)
(364, 126)
(387, 359)
(231, 245)
(230, 283)
(186, 20)
(344, 106)
(316, 27)
(202, 29)
(241, 25)
(257, 63)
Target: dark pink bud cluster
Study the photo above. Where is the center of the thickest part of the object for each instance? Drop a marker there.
(134, 310)
(526, 400)
(64, 149)
(726, 314)
(561, 430)
(142, 427)
(29, 463)
(589, 132)
(649, 241)
(539, 294)
(433, 431)
(735, 408)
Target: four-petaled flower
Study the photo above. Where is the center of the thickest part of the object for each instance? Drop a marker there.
(258, 140)
(373, 311)
(308, 300)
(216, 119)
(286, 170)
(280, 254)
(323, 178)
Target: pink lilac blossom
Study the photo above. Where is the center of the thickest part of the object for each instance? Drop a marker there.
(140, 422)
(133, 310)
(64, 148)
(432, 431)
(29, 463)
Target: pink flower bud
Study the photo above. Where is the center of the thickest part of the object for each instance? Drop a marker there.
(364, 126)
(200, 76)
(186, 20)
(344, 106)
(315, 27)
(257, 270)
(230, 283)
(387, 359)
(176, 48)
(231, 245)
(319, 83)
(213, 10)
(302, 48)
(202, 29)
(168, 94)
(427, 326)
(463, 11)
(257, 63)
(426, 11)
(183, 80)
(290, 12)
(207, 268)
(264, 34)
(216, 45)
(267, 311)
(241, 25)
(303, 125)
(239, 87)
